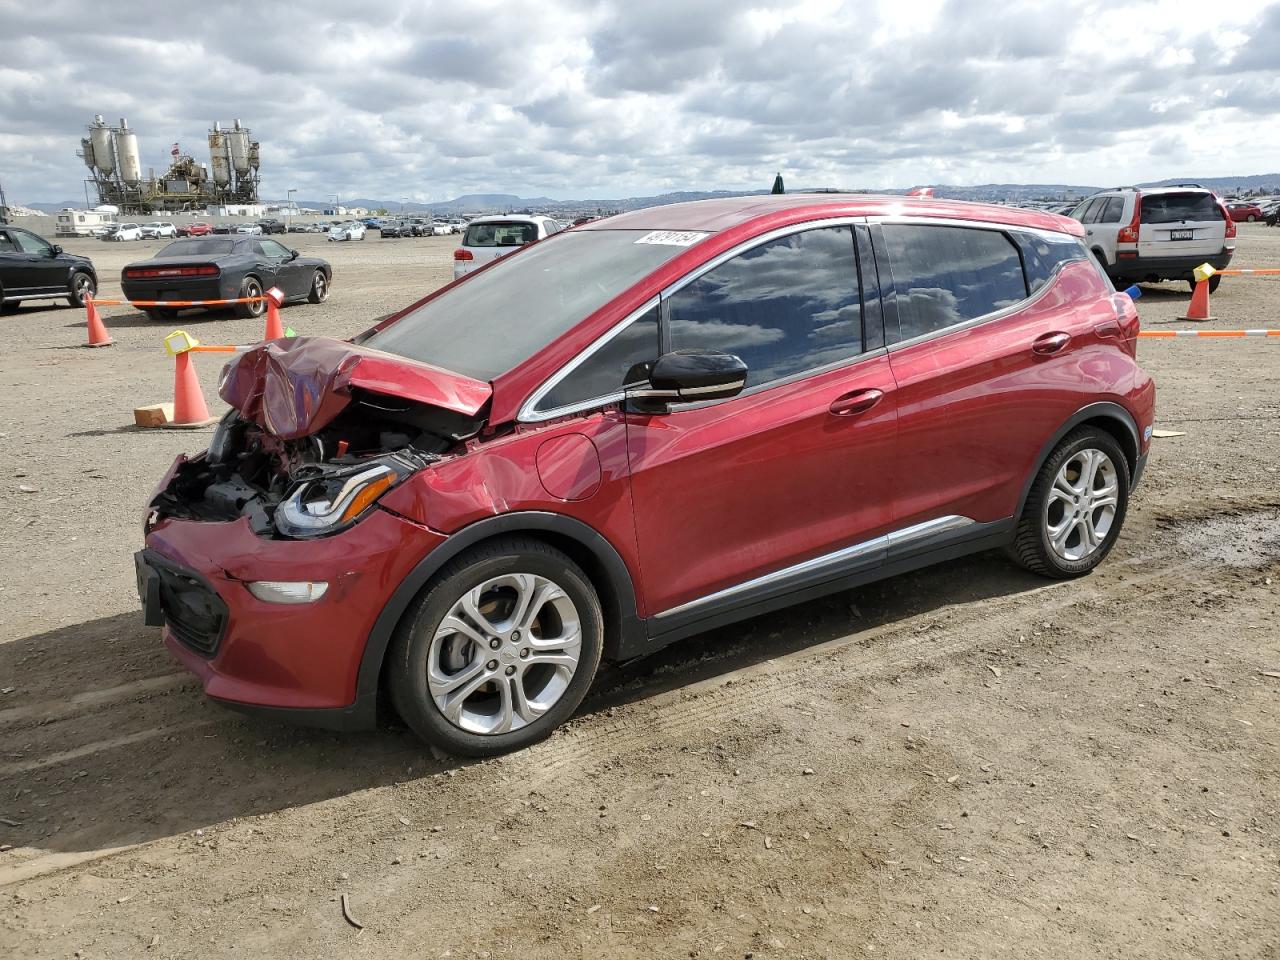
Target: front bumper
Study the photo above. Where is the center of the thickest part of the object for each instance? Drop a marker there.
(299, 660)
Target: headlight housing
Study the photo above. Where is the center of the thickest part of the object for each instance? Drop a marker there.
(326, 499)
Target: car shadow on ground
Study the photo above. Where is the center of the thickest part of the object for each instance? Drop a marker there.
(109, 743)
(1164, 291)
(120, 321)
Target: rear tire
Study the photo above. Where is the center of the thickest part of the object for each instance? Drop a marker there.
(1076, 507)
(1214, 282)
(10, 306)
(488, 686)
(319, 288)
(250, 287)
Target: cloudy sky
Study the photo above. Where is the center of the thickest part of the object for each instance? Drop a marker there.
(429, 100)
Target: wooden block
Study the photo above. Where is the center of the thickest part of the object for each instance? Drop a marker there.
(156, 415)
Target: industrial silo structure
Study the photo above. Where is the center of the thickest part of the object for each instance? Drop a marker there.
(102, 138)
(127, 152)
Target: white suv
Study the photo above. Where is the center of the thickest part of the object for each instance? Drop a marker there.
(159, 230)
(488, 238)
(1157, 233)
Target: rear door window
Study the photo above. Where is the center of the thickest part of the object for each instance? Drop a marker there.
(1177, 207)
(784, 307)
(947, 275)
(512, 234)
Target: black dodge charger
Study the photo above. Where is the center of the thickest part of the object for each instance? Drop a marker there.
(225, 268)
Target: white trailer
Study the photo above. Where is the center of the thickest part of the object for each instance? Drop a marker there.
(80, 223)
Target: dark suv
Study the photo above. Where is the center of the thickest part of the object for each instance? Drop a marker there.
(634, 431)
(272, 226)
(32, 268)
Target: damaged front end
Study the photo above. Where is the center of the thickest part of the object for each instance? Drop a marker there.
(307, 448)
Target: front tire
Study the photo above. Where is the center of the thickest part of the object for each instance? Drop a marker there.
(250, 287)
(1076, 507)
(82, 288)
(498, 650)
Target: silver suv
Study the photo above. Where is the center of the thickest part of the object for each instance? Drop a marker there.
(1157, 233)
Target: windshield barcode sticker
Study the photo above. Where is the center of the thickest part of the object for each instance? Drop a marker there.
(673, 238)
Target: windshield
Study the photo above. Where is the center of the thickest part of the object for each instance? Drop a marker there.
(197, 248)
(1176, 207)
(513, 234)
(503, 315)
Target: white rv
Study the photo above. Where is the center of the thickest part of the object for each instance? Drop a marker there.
(80, 223)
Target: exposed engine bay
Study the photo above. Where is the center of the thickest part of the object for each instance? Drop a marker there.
(317, 484)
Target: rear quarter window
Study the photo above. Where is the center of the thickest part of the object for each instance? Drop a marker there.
(1043, 254)
(946, 275)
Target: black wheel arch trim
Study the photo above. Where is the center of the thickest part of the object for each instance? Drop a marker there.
(1102, 410)
(627, 641)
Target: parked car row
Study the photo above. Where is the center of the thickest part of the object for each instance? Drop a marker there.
(419, 227)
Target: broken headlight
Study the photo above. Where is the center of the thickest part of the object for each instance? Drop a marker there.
(326, 498)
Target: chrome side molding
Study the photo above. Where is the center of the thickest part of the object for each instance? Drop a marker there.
(868, 548)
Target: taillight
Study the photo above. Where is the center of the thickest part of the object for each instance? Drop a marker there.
(152, 273)
(1129, 234)
(1231, 224)
(461, 254)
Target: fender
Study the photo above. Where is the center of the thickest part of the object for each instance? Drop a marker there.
(627, 642)
(1103, 410)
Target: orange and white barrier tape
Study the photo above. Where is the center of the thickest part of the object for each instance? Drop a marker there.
(1164, 334)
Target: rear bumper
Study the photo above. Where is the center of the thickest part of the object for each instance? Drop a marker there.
(1166, 268)
(199, 290)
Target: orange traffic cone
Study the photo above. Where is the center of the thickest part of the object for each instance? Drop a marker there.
(189, 409)
(98, 336)
(1199, 306)
(275, 329)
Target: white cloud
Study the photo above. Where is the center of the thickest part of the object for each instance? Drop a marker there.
(604, 98)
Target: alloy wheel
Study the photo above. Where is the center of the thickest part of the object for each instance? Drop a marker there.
(84, 288)
(1080, 510)
(504, 654)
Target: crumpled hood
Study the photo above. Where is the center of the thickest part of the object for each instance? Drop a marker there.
(296, 386)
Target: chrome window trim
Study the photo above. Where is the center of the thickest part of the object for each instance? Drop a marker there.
(528, 410)
(1001, 228)
(897, 538)
(775, 234)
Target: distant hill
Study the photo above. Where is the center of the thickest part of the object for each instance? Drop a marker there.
(472, 203)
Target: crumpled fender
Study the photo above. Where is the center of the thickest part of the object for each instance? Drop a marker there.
(296, 386)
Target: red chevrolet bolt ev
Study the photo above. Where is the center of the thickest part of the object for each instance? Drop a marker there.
(634, 431)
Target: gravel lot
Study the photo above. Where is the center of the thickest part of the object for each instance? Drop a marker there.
(966, 761)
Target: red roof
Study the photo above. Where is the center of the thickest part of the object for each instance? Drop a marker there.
(720, 214)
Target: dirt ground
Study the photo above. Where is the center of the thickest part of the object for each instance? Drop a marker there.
(964, 762)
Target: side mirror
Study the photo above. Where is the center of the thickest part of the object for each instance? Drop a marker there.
(56, 250)
(293, 254)
(686, 376)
